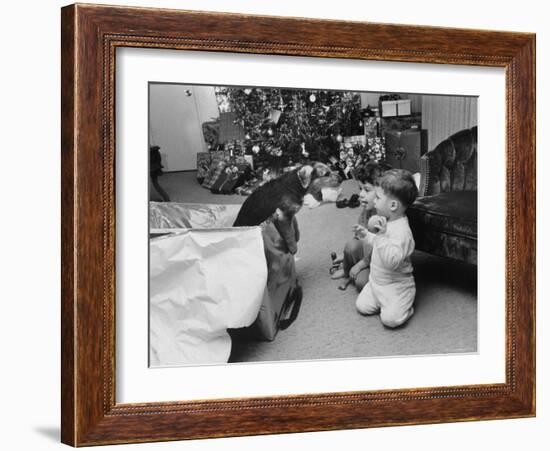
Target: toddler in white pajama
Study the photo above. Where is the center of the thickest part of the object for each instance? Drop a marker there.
(391, 288)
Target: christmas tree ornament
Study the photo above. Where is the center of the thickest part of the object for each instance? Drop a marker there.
(274, 116)
(312, 98)
(305, 153)
(339, 138)
(248, 91)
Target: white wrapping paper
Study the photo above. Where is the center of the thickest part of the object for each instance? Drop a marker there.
(203, 281)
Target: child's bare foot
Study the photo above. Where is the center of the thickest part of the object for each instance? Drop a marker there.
(344, 284)
(338, 274)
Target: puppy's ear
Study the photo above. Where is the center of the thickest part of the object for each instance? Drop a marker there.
(304, 175)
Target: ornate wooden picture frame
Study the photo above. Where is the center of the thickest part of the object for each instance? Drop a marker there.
(90, 36)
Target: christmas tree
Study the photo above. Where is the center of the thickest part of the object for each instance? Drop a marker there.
(291, 125)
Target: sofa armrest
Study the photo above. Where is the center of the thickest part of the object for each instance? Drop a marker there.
(423, 189)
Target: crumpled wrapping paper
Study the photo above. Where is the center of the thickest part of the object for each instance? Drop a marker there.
(203, 282)
(173, 215)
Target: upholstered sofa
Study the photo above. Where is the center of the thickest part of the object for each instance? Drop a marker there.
(444, 217)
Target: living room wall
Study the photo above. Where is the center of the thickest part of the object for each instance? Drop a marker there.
(176, 116)
(444, 115)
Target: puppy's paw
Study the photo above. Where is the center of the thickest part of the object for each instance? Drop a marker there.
(292, 248)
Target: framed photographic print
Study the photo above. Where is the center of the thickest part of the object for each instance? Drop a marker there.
(278, 225)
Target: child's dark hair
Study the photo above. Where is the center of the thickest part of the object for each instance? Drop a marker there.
(400, 184)
(370, 171)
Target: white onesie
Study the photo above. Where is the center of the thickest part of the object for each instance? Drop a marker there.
(391, 288)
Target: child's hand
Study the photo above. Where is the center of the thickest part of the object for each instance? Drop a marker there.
(377, 224)
(359, 232)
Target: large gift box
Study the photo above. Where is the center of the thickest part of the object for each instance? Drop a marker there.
(208, 278)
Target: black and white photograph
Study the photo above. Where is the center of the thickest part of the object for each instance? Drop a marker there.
(297, 224)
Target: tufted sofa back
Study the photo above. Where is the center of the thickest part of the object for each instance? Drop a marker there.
(451, 165)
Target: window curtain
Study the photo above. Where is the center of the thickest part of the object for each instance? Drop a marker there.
(444, 115)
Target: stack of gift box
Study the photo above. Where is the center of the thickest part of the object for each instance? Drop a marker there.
(356, 151)
(222, 171)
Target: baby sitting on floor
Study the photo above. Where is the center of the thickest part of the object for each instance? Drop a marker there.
(355, 261)
(391, 289)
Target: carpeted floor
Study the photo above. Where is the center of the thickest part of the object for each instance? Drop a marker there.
(328, 326)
